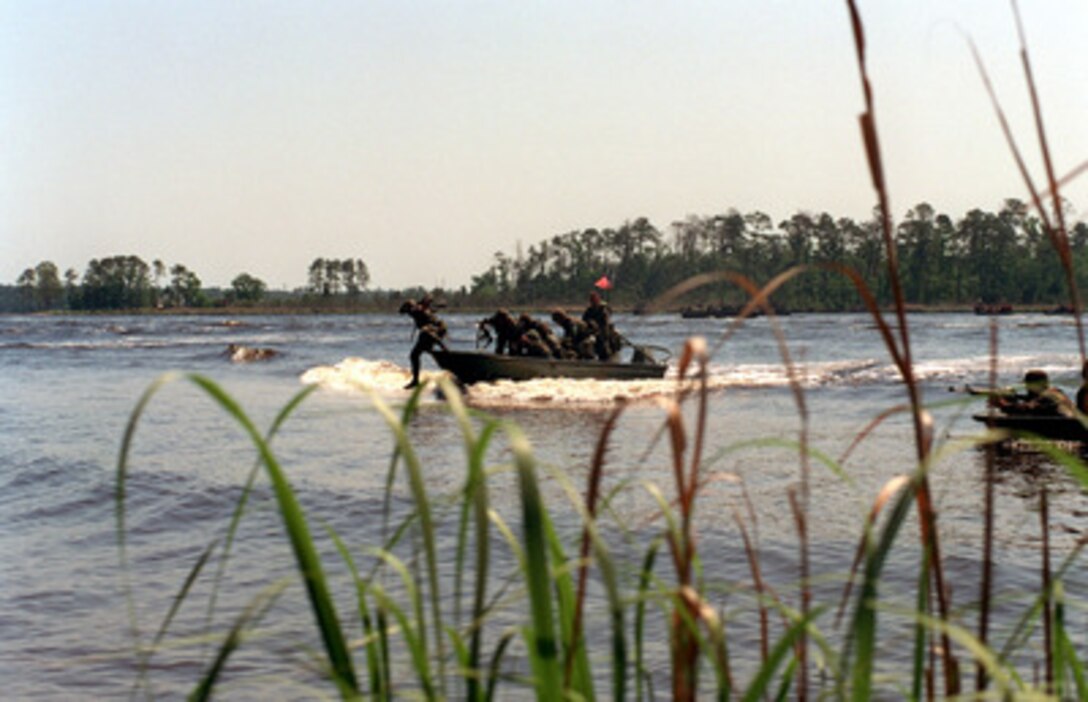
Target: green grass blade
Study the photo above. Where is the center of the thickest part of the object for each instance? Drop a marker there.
(175, 607)
(252, 614)
(1025, 626)
(309, 564)
(179, 598)
(920, 634)
(119, 497)
(496, 666)
(409, 411)
(372, 642)
(243, 500)
(427, 528)
(413, 634)
(645, 577)
(412, 639)
(480, 501)
(475, 502)
(861, 636)
(1007, 685)
(582, 678)
(543, 648)
(761, 683)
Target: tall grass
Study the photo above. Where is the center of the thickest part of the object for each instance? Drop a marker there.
(525, 631)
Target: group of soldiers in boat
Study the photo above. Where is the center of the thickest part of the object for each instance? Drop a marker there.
(593, 337)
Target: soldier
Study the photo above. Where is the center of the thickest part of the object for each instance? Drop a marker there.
(578, 339)
(598, 316)
(532, 344)
(1041, 398)
(431, 330)
(545, 335)
(506, 331)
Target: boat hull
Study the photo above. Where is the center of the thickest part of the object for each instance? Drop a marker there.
(1054, 428)
(475, 367)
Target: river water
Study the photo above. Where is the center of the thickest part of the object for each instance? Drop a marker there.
(69, 385)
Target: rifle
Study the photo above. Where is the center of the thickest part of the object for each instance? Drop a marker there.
(988, 392)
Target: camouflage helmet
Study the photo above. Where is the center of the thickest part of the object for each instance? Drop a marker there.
(1036, 378)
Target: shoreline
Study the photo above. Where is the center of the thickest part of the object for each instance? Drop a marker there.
(306, 310)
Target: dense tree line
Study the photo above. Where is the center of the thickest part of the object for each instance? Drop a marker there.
(130, 283)
(982, 257)
(989, 257)
(112, 283)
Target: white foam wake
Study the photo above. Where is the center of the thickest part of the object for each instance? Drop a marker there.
(360, 375)
(353, 375)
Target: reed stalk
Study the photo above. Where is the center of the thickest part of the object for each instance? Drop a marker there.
(926, 511)
(986, 584)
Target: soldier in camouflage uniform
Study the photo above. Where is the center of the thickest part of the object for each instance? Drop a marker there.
(1041, 398)
(430, 333)
(599, 317)
(506, 331)
(543, 333)
(531, 344)
(578, 339)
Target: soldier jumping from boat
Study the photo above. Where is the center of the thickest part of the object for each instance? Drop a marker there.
(430, 332)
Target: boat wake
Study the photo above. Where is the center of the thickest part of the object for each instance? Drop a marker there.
(360, 375)
(387, 379)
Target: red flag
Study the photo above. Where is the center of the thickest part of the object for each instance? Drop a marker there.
(603, 283)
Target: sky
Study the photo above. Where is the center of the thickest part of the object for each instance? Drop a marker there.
(424, 136)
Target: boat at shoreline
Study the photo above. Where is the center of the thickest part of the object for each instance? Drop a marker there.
(478, 366)
(1054, 428)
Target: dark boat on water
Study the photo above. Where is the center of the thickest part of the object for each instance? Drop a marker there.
(477, 366)
(1055, 428)
(993, 309)
(724, 311)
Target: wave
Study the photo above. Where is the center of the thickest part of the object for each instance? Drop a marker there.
(360, 375)
(387, 379)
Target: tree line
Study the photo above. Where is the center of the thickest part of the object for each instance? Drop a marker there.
(984, 256)
(130, 283)
(988, 257)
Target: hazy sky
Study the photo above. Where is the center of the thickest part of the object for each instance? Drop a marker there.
(424, 136)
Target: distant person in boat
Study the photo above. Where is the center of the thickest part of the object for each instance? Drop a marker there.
(599, 317)
(1082, 393)
(430, 333)
(506, 331)
(1040, 398)
(543, 335)
(578, 340)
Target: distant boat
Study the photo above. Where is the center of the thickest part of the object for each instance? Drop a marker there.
(1055, 428)
(706, 311)
(696, 312)
(477, 366)
(993, 309)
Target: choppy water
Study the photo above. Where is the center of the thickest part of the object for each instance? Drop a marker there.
(69, 384)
